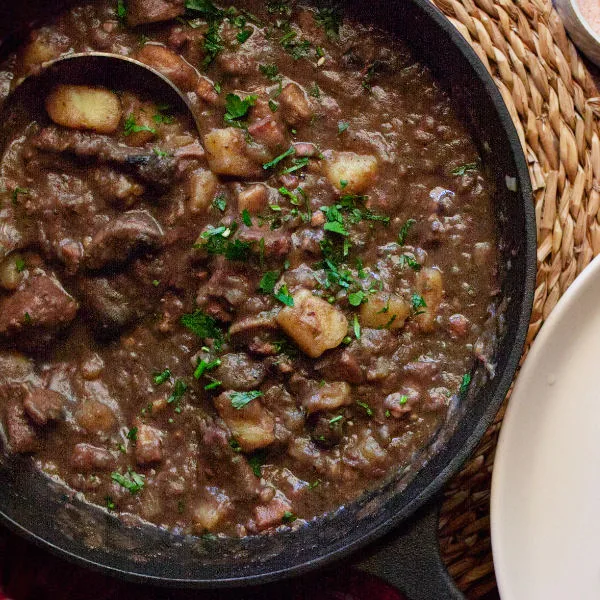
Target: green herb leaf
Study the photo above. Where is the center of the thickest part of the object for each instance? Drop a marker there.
(130, 126)
(241, 399)
(281, 7)
(246, 219)
(313, 484)
(273, 106)
(16, 192)
(121, 10)
(205, 7)
(269, 71)
(407, 260)
(335, 227)
(19, 264)
(403, 400)
(342, 126)
(203, 326)
(284, 296)
(314, 91)
(133, 481)
(176, 395)
(298, 163)
(356, 327)
(366, 407)
(330, 20)
(464, 169)
(109, 503)
(418, 302)
(220, 202)
(278, 159)
(464, 384)
(404, 231)
(213, 43)
(243, 35)
(268, 281)
(236, 108)
(288, 517)
(213, 384)
(256, 461)
(335, 420)
(160, 378)
(204, 366)
(357, 298)
(132, 434)
(235, 445)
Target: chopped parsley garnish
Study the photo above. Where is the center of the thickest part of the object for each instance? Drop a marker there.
(204, 366)
(246, 219)
(217, 87)
(110, 504)
(235, 445)
(357, 298)
(464, 384)
(121, 10)
(296, 48)
(205, 7)
(220, 202)
(268, 281)
(335, 420)
(356, 327)
(314, 91)
(271, 72)
(330, 20)
(366, 407)
(298, 163)
(335, 227)
(273, 106)
(160, 378)
(284, 296)
(404, 231)
(130, 126)
(241, 399)
(27, 318)
(289, 152)
(403, 400)
(160, 153)
(236, 108)
(16, 192)
(464, 169)
(132, 434)
(155, 282)
(163, 115)
(213, 43)
(407, 260)
(280, 7)
(203, 326)
(212, 385)
(342, 126)
(19, 264)
(218, 242)
(133, 481)
(176, 395)
(256, 461)
(313, 484)
(243, 35)
(288, 517)
(418, 303)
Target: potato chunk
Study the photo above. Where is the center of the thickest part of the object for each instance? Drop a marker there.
(327, 397)
(313, 323)
(254, 199)
(430, 285)
(202, 188)
(226, 151)
(11, 271)
(252, 426)
(95, 417)
(84, 107)
(384, 310)
(350, 172)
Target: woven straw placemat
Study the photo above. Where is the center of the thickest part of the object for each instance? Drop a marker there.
(552, 99)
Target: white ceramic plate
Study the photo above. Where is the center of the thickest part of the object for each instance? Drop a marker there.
(545, 506)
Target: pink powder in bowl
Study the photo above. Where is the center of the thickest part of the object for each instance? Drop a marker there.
(590, 9)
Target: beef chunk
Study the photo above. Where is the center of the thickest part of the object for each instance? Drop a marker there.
(153, 11)
(87, 458)
(148, 446)
(121, 237)
(113, 303)
(158, 171)
(170, 64)
(21, 433)
(33, 314)
(294, 104)
(240, 372)
(43, 405)
(276, 243)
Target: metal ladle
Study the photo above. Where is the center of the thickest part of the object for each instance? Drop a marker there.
(115, 72)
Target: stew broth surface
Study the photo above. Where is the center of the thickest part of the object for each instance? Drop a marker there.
(241, 329)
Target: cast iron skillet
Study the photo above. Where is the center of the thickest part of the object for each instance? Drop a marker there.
(41, 511)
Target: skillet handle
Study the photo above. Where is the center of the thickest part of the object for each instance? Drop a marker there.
(409, 559)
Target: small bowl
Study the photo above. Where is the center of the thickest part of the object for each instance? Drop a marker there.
(584, 37)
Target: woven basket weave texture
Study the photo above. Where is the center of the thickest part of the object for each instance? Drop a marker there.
(553, 101)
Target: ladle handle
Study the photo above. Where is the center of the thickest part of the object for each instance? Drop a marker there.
(409, 559)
